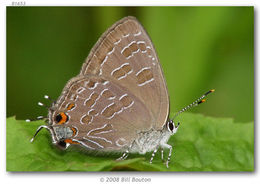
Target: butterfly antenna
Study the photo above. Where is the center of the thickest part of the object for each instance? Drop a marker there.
(194, 104)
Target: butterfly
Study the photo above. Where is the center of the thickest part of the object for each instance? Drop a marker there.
(119, 101)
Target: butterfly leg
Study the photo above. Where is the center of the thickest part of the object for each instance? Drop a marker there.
(153, 154)
(124, 156)
(162, 153)
(170, 153)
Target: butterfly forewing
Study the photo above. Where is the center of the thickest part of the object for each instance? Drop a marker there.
(126, 55)
(120, 91)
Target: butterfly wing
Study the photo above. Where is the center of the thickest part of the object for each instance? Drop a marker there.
(120, 91)
(126, 55)
(104, 114)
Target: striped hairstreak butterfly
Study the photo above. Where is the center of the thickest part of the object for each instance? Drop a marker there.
(119, 101)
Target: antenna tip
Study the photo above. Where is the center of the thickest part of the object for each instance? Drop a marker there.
(212, 90)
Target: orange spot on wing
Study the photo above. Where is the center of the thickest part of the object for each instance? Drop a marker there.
(74, 131)
(70, 141)
(64, 118)
(70, 106)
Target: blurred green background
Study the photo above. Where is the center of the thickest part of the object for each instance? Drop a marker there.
(200, 48)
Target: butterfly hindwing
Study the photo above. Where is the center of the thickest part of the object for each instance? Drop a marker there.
(103, 113)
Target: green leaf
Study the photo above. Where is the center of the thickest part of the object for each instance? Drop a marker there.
(201, 144)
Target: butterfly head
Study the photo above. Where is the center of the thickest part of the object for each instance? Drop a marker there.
(172, 127)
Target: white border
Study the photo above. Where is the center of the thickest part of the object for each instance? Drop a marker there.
(73, 179)
(134, 3)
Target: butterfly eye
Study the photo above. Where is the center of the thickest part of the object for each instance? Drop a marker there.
(171, 126)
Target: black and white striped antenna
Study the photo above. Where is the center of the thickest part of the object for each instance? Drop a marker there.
(194, 104)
